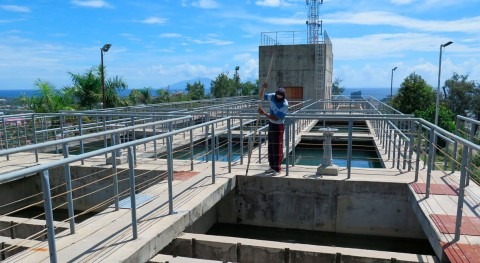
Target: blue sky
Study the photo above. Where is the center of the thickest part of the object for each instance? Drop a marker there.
(156, 43)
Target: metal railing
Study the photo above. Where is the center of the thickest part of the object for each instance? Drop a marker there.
(403, 138)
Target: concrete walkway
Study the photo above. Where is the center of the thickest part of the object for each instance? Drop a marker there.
(107, 237)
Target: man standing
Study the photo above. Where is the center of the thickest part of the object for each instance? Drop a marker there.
(276, 127)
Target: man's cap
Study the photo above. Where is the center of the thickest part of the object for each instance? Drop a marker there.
(280, 91)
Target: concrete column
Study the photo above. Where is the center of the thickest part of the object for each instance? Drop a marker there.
(327, 167)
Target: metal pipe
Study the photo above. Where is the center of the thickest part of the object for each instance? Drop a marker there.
(47, 200)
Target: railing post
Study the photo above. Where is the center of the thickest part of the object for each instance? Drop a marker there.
(213, 152)
(293, 121)
(412, 141)
(80, 130)
(154, 127)
(133, 201)
(393, 148)
(454, 158)
(134, 137)
(419, 150)
(68, 185)
(191, 149)
(34, 136)
(399, 149)
(206, 143)
(349, 149)
(114, 168)
(47, 200)
(170, 173)
(241, 141)
(229, 130)
(430, 161)
(105, 144)
(461, 192)
(389, 139)
(287, 142)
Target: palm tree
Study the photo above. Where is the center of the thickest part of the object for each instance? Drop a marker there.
(145, 95)
(88, 89)
(47, 98)
(112, 86)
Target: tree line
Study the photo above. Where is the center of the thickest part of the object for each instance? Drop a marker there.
(458, 96)
(86, 93)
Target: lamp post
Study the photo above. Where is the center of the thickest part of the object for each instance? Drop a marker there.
(237, 80)
(105, 48)
(391, 84)
(438, 85)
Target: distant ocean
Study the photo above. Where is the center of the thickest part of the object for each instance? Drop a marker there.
(29, 93)
(379, 93)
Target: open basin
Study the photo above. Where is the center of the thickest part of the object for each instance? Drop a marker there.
(201, 152)
(364, 154)
(269, 219)
(342, 126)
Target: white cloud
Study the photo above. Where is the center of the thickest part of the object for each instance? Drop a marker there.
(186, 70)
(466, 25)
(154, 20)
(402, 2)
(130, 37)
(272, 3)
(211, 39)
(170, 35)
(15, 8)
(206, 4)
(91, 3)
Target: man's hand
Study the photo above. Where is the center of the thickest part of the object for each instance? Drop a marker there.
(261, 111)
(265, 85)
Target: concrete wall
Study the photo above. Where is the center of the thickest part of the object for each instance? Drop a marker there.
(93, 185)
(351, 207)
(228, 249)
(294, 65)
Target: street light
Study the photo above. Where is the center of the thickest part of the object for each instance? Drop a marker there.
(105, 48)
(391, 83)
(438, 85)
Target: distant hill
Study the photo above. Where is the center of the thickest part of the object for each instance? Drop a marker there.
(182, 85)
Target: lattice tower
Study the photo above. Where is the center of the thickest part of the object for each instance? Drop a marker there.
(314, 23)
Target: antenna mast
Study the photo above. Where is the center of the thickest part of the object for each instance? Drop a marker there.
(314, 23)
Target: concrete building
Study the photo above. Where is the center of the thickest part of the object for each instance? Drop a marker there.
(304, 70)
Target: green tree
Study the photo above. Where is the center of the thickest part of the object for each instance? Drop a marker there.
(112, 87)
(178, 96)
(446, 117)
(47, 99)
(459, 92)
(195, 91)
(132, 97)
(414, 95)
(140, 96)
(237, 85)
(163, 95)
(88, 88)
(220, 87)
(249, 88)
(475, 102)
(337, 89)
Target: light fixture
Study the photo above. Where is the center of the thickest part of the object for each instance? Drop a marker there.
(391, 83)
(105, 48)
(437, 106)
